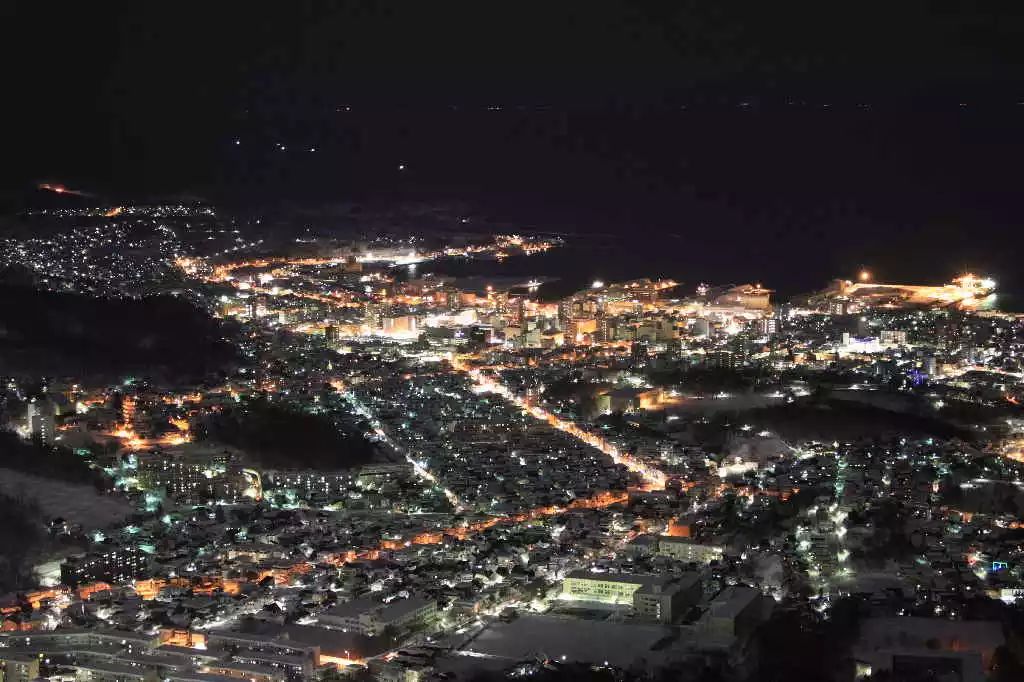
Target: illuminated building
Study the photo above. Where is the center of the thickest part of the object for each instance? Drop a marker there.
(740, 346)
(294, 657)
(113, 565)
(565, 313)
(629, 400)
(175, 475)
(679, 528)
(399, 326)
(451, 298)
(722, 359)
(99, 670)
(580, 328)
(607, 588)
(685, 549)
(750, 296)
(374, 314)
(966, 292)
(766, 326)
(895, 337)
(376, 475)
(840, 306)
(638, 353)
(18, 667)
(604, 326)
(646, 291)
(308, 482)
(370, 617)
(653, 596)
(951, 332)
(664, 602)
(71, 638)
(41, 417)
(197, 476)
(241, 671)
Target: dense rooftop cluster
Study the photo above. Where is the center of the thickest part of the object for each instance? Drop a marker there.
(464, 476)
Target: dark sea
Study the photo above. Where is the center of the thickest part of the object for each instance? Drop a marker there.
(715, 259)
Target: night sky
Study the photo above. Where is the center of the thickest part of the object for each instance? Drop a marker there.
(892, 130)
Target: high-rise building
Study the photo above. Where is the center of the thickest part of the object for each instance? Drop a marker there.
(740, 345)
(951, 333)
(41, 418)
(374, 314)
(117, 564)
(565, 313)
(638, 353)
(521, 311)
(766, 326)
(721, 359)
(603, 331)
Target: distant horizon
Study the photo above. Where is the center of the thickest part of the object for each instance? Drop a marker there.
(616, 256)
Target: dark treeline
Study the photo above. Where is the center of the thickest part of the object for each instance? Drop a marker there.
(50, 462)
(56, 334)
(279, 436)
(21, 530)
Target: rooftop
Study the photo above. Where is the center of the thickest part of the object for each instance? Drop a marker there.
(643, 579)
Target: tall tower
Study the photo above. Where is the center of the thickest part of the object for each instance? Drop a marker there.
(42, 418)
(638, 353)
(565, 313)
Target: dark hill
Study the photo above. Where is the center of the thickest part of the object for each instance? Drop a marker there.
(61, 334)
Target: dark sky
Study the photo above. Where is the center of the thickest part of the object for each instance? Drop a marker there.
(801, 124)
(144, 94)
